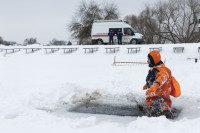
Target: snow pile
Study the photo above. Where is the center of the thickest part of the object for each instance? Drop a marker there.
(39, 92)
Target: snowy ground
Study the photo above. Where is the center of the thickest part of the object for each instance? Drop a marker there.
(37, 91)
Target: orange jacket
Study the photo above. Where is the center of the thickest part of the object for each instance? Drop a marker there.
(160, 87)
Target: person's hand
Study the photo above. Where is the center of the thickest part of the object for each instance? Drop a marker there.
(145, 87)
(151, 91)
(147, 92)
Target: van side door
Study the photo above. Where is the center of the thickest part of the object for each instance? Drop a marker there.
(115, 30)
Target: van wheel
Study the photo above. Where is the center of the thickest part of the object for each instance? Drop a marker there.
(99, 42)
(133, 41)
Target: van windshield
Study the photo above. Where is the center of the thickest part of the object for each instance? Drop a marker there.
(129, 31)
(134, 30)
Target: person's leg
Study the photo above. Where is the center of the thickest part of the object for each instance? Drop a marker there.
(168, 114)
(112, 40)
(158, 108)
(109, 40)
(166, 110)
(155, 108)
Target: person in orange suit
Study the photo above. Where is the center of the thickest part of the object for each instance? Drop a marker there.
(158, 85)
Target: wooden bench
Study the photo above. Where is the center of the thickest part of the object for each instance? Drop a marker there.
(177, 49)
(91, 50)
(136, 49)
(31, 50)
(198, 49)
(13, 50)
(52, 50)
(69, 50)
(113, 49)
(156, 48)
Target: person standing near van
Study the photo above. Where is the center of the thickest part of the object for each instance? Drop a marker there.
(158, 85)
(119, 36)
(111, 34)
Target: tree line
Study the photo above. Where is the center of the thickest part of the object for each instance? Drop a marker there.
(31, 40)
(4, 42)
(172, 21)
(27, 41)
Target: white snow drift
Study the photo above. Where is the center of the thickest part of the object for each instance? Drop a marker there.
(36, 90)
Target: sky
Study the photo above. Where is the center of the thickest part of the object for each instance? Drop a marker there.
(48, 19)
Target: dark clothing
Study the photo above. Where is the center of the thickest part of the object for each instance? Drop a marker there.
(155, 108)
(119, 37)
(111, 41)
(151, 77)
(119, 40)
(119, 34)
(111, 34)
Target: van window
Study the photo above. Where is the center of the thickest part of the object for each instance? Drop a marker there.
(115, 30)
(128, 31)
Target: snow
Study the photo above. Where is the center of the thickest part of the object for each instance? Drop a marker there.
(37, 90)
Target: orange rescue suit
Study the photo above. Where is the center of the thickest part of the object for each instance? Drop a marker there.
(161, 88)
(160, 85)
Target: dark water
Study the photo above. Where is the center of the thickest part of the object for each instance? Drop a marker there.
(119, 110)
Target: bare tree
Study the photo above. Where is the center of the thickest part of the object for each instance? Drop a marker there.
(81, 23)
(140, 23)
(110, 11)
(177, 20)
(57, 42)
(1, 40)
(28, 41)
(172, 21)
(7, 43)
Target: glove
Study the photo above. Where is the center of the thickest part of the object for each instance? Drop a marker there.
(152, 89)
(145, 87)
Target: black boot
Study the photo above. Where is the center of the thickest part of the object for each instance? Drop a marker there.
(168, 114)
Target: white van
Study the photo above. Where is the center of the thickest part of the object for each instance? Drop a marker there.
(100, 29)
